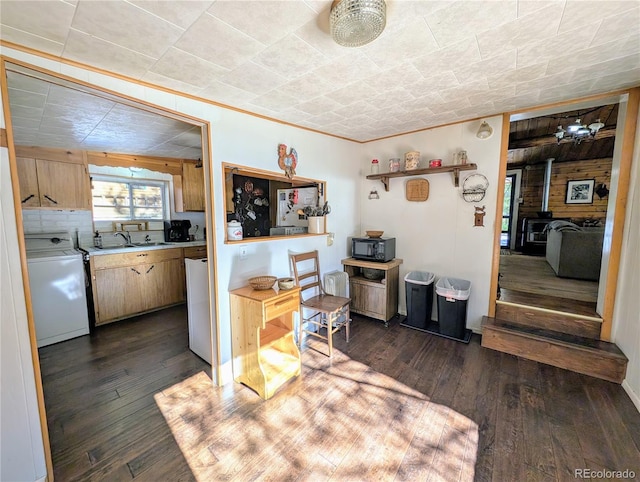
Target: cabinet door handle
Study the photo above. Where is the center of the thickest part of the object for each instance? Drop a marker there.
(152, 266)
(27, 198)
(139, 255)
(135, 271)
(50, 199)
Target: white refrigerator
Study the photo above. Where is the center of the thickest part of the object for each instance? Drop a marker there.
(198, 311)
(290, 200)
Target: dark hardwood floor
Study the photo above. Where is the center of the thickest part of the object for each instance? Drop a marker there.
(533, 275)
(133, 403)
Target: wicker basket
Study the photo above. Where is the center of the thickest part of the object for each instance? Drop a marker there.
(286, 283)
(262, 282)
(417, 190)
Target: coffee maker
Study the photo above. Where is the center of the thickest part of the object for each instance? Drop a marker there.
(176, 230)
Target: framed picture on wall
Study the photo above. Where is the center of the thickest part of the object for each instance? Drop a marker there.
(580, 192)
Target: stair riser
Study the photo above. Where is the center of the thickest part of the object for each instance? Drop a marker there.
(574, 359)
(525, 315)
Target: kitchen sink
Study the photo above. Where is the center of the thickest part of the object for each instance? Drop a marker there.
(159, 243)
(134, 245)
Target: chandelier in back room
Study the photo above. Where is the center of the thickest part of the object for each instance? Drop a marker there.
(578, 131)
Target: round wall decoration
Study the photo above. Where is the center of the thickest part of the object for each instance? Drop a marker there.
(474, 188)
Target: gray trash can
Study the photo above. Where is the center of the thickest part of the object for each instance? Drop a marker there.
(419, 295)
(452, 306)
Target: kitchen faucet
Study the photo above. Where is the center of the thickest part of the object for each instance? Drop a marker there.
(126, 237)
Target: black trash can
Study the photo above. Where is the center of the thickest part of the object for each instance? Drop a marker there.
(452, 306)
(419, 295)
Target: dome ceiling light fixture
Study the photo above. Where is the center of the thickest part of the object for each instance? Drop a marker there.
(354, 23)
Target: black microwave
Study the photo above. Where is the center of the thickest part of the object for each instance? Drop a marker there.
(373, 249)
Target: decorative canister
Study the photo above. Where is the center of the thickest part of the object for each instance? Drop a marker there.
(462, 157)
(394, 164)
(375, 166)
(411, 160)
(435, 163)
(234, 231)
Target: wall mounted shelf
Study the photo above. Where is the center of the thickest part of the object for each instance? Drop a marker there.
(385, 176)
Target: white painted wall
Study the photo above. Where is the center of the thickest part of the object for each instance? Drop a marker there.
(21, 445)
(250, 141)
(438, 235)
(626, 316)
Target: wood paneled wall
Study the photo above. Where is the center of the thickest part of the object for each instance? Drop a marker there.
(532, 189)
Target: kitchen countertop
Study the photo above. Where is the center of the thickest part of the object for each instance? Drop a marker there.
(93, 251)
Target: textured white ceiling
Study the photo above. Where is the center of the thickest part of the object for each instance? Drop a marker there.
(436, 62)
(47, 114)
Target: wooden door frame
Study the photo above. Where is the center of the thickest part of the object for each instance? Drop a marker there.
(7, 138)
(627, 136)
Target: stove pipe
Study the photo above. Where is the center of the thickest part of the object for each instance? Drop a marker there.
(547, 184)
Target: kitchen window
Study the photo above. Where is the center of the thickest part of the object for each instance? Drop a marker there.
(127, 200)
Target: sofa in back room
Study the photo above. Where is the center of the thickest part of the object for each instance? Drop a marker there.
(575, 252)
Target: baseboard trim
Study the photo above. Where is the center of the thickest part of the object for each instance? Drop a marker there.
(635, 398)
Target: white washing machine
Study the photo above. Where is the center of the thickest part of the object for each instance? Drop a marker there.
(58, 289)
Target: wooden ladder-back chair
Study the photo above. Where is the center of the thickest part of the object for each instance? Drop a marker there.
(330, 312)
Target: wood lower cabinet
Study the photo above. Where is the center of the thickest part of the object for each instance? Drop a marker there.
(265, 354)
(164, 283)
(127, 284)
(118, 293)
(374, 298)
(195, 252)
(62, 185)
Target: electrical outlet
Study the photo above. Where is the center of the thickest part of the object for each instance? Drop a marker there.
(330, 237)
(243, 252)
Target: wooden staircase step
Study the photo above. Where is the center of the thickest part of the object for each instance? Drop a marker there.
(550, 302)
(584, 355)
(547, 319)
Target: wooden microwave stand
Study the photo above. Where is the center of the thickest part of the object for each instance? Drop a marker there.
(264, 349)
(374, 298)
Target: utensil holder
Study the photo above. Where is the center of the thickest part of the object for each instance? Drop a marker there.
(316, 224)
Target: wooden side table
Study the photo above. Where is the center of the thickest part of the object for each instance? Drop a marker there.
(374, 298)
(265, 354)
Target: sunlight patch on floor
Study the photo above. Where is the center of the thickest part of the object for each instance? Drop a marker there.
(339, 420)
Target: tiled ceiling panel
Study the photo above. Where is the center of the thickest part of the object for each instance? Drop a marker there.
(51, 115)
(436, 61)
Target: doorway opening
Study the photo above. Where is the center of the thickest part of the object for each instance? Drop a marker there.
(40, 106)
(537, 267)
